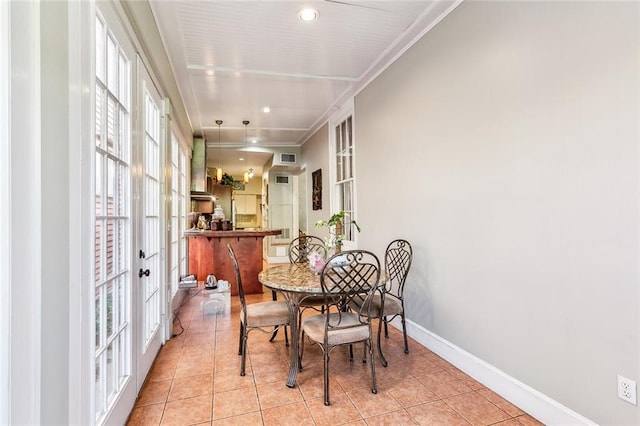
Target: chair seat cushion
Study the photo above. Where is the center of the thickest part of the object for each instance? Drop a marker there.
(392, 306)
(266, 314)
(350, 328)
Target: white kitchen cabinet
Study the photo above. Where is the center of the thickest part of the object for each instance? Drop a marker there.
(246, 204)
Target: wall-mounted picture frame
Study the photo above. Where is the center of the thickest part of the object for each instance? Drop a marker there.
(316, 193)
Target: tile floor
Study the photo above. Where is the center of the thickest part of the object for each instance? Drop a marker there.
(196, 380)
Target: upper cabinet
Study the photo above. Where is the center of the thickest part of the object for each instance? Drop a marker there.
(246, 203)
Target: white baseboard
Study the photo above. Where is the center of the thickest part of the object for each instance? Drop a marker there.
(534, 403)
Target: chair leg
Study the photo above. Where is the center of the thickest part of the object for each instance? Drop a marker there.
(386, 328)
(275, 333)
(326, 377)
(300, 350)
(240, 342)
(383, 360)
(274, 297)
(244, 353)
(404, 330)
(374, 387)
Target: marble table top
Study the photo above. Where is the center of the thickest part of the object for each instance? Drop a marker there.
(295, 277)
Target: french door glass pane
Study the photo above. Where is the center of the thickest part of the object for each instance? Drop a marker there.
(99, 104)
(112, 119)
(344, 165)
(152, 232)
(112, 220)
(100, 45)
(110, 373)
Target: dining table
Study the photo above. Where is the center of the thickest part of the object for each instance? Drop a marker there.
(296, 282)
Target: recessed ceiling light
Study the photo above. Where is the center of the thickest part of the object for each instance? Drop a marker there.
(241, 159)
(308, 15)
(266, 110)
(254, 140)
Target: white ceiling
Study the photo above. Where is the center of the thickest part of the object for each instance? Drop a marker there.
(232, 58)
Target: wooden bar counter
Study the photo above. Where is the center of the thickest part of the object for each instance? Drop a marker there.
(208, 254)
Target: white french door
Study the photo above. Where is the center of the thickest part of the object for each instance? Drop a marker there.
(114, 391)
(147, 293)
(129, 269)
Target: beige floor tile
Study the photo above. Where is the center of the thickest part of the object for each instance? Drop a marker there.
(311, 384)
(147, 415)
(394, 418)
(296, 414)
(476, 409)
(154, 393)
(162, 370)
(510, 422)
(276, 373)
(273, 395)
(466, 379)
(527, 420)
(369, 404)
(411, 392)
(340, 411)
(436, 413)
(226, 380)
(188, 387)
(443, 384)
(187, 411)
(234, 403)
(193, 367)
(249, 419)
(501, 403)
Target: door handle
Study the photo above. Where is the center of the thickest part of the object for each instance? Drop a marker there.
(143, 272)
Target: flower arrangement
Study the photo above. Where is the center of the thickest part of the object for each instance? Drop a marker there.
(336, 229)
(316, 261)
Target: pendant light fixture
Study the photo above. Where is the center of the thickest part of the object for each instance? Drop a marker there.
(219, 170)
(246, 175)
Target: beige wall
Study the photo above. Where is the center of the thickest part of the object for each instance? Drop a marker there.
(254, 186)
(504, 146)
(315, 156)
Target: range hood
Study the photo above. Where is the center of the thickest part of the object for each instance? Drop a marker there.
(199, 174)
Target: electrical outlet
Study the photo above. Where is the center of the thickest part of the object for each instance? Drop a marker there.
(627, 389)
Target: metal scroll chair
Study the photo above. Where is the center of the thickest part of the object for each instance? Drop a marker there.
(299, 250)
(397, 262)
(300, 247)
(350, 274)
(256, 316)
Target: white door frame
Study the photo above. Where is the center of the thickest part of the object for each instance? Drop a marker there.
(145, 352)
(21, 215)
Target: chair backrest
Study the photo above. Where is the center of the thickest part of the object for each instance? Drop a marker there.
(236, 269)
(300, 247)
(353, 275)
(397, 261)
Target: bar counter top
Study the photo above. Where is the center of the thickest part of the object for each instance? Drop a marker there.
(234, 233)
